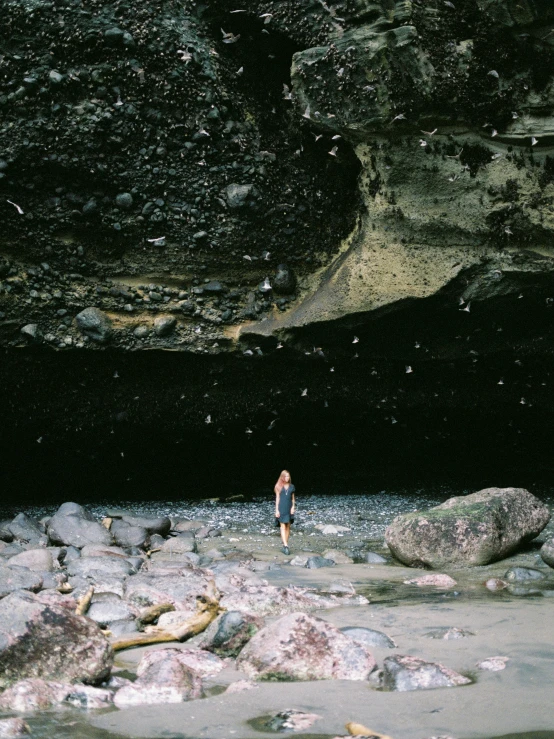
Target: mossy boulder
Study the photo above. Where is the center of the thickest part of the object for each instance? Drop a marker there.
(470, 530)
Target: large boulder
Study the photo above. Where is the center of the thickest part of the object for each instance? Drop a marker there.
(73, 525)
(303, 647)
(471, 530)
(47, 640)
(404, 672)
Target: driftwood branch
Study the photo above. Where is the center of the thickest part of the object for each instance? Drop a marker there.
(84, 602)
(151, 614)
(207, 609)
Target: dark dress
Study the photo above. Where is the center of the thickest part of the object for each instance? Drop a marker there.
(285, 503)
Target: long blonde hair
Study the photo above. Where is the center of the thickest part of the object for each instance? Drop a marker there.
(280, 482)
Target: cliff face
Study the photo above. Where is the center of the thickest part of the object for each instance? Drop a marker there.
(217, 180)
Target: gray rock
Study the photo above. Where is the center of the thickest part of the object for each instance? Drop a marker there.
(120, 628)
(448, 633)
(547, 552)
(126, 535)
(374, 558)
(238, 196)
(37, 560)
(48, 640)
(162, 679)
(338, 557)
(404, 673)
(14, 727)
(341, 586)
(473, 530)
(18, 578)
(108, 607)
(299, 561)
(316, 562)
(71, 553)
(159, 526)
(86, 566)
(292, 720)
(124, 200)
(26, 529)
(164, 325)
(303, 647)
(95, 324)
(284, 281)
(523, 574)
(228, 634)
(368, 637)
(30, 331)
(179, 587)
(75, 530)
(203, 663)
(179, 544)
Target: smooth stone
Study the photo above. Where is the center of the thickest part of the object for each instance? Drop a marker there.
(523, 574)
(436, 581)
(547, 552)
(37, 560)
(26, 529)
(179, 545)
(201, 662)
(75, 530)
(373, 558)
(126, 535)
(228, 634)
(338, 557)
(403, 673)
(368, 637)
(13, 579)
(86, 566)
(315, 563)
(159, 526)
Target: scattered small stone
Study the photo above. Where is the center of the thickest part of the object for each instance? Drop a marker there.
(404, 673)
(437, 581)
(448, 633)
(493, 664)
(523, 574)
(368, 637)
(494, 583)
(292, 720)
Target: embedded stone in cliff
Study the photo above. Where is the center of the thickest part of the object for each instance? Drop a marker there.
(239, 196)
(284, 281)
(164, 325)
(47, 640)
(303, 647)
(95, 324)
(404, 673)
(124, 200)
(473, 530)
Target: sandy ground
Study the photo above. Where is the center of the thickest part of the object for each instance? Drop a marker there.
(516, 700)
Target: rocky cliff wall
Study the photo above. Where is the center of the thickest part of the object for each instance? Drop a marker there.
(349, 198)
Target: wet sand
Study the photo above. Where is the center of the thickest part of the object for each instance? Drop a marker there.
(516, 700)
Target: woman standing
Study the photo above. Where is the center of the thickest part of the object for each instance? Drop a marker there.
(284, 506)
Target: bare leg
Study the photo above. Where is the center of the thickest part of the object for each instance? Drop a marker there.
(284, 535)
(287, 534)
